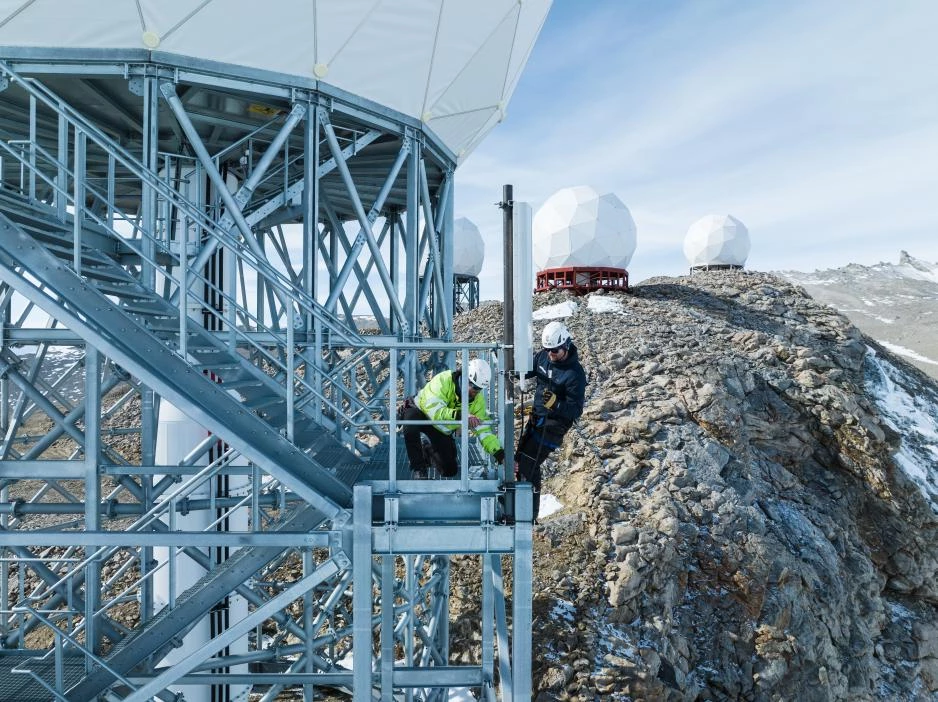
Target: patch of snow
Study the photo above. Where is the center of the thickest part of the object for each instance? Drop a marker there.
(916, 273)
(564, 610)
(549, 505)
(912, 412)
(562, 309)
(911, 468)
(900, 613)
(884, 320)
(604, 303)
(908, 353)
(867, 302)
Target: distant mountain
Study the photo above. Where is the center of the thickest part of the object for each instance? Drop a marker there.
(895, 304)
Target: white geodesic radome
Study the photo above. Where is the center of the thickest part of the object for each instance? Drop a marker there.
(468, 248)
(451, 65)
(578, 227)
(717, 240)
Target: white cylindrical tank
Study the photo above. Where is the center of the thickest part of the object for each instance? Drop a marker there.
(468, 248)
(578, 227)
(176, 436)
(717, 240)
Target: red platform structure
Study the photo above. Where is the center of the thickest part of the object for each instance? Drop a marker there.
(581, 280)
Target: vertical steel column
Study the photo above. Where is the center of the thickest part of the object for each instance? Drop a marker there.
(409, 630)
(151, 138)
(488, 625)
(32, 147)
(148, 428)
(443, 593)
(310, 204)
(411, 262)
(447, 245)
(361, 594)
(309, 690)
(5, 320)
(5, 310)
(505, 684)
(521, 593)
(78, 197)
(61, 178)
(394, 265)
(392, 411)
(148, 399)
(508, 227)
(387, 628)
(507, 206)
(92, 494)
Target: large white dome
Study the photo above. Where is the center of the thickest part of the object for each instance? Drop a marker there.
(468, 248)
(578, 227)
(717, 240)
(451, 65)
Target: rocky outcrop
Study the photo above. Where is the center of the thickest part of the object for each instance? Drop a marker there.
(735, 525)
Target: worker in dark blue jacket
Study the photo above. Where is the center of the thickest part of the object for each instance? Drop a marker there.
(559, 384)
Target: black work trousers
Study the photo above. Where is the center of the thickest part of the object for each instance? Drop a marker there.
(443, 444)
(537, 442)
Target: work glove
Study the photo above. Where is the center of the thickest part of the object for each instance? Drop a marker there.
(527, 384)
(499, 456)
(549, 399)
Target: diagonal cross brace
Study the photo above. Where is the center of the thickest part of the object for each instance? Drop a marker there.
(331, 567)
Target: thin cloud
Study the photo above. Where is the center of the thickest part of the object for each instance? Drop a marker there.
(811, 121)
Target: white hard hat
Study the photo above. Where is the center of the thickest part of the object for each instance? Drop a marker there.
(480, 374)
(555, 334)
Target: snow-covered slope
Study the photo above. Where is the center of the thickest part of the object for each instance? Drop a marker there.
(894, 303)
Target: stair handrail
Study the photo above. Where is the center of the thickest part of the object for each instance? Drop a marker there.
(193, 275)
(153, 181)
(167, 503)
(72, 640)
(270, 275)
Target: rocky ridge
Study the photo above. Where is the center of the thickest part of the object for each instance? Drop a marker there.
(735, 523)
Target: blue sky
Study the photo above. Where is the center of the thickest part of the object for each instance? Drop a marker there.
(815, 122)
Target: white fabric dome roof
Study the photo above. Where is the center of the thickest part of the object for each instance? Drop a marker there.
(717, 240)
(576, 227)
(468, 248)
(452, 65)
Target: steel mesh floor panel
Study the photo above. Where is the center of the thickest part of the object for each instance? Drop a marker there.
(377, 468)
(23, 687)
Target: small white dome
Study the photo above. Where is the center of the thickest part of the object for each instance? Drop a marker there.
(468, 248)
(717, 240)
(577, 227)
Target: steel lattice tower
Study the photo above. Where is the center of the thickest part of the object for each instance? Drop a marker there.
(201, 486)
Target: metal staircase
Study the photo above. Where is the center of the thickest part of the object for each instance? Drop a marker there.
(135, 335)
(314, 466)
(285, 383)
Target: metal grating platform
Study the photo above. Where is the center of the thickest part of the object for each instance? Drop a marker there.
(23, 687)
(377, 467)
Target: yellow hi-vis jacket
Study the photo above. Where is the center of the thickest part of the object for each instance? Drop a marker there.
(439, 400)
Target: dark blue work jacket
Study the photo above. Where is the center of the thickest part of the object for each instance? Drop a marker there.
(566, 379)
